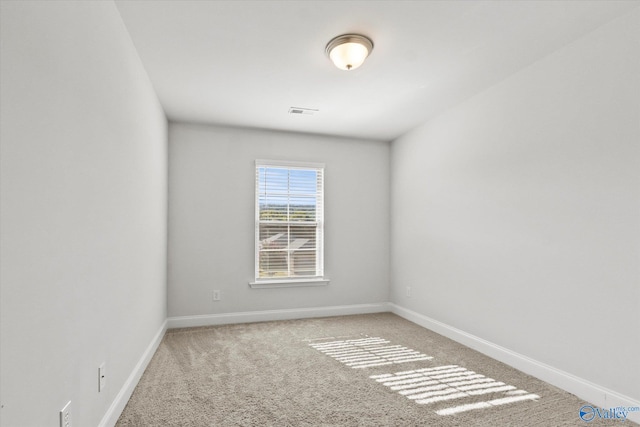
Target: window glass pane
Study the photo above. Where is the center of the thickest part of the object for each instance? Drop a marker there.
(302, 237)
(273, 264)
(273, 207)
(273, 237)
(302, 181)
(273, 181)
(302, 208)
(273, 249)
(303, 263)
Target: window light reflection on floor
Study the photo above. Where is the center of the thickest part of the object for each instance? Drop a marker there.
(451, 382)
(368, 352)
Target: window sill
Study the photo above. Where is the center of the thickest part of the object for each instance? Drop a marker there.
(267, 284)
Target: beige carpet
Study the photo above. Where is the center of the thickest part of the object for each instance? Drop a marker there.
(365, 370)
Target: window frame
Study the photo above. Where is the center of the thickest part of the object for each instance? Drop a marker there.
(292, 281)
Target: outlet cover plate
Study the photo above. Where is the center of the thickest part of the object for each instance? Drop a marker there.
(102, 377)
(65, 415)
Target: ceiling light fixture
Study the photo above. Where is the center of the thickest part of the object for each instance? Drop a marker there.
(349, 51)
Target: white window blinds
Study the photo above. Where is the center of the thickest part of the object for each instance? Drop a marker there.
(289, 220)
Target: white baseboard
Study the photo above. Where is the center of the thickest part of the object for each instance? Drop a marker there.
(122, 398)
(586, 390)
(269, 315)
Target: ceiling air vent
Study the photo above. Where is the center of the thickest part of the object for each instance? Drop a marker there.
(304, 111)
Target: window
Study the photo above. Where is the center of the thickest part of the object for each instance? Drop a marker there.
(289, 222)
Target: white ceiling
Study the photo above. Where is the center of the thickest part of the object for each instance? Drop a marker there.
(244, 63)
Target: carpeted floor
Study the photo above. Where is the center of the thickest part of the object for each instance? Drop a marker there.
(364, 370)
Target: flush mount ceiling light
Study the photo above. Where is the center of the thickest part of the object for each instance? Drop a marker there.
(349, 51)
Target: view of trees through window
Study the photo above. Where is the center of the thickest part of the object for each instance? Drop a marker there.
(289, 216)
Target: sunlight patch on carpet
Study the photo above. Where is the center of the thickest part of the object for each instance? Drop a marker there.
(368, 352)
(452, 383)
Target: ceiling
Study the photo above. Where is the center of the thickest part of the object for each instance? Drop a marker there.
(245, 63)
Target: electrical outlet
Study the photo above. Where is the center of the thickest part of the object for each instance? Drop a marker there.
(216, 295)
(408, 291)
(65, 415)
(102, 377)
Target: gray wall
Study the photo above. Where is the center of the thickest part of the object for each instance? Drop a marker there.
(211, 219)
(516, 214)
(83, 219)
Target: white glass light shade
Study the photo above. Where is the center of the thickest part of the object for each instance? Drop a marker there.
(349, 51)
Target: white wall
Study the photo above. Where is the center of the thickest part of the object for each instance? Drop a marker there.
(211, 219)
(83, 219)
(516, 215)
